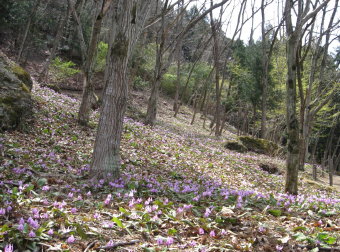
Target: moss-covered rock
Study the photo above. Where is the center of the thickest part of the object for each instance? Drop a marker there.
(15, 95)
(54, 87)
(235, 146)
(261, 146)
(270, 168)
(21, 74)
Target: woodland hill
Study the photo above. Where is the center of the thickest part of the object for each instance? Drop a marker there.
(154, 125)
(179, 190)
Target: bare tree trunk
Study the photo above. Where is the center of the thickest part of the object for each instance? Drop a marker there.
(292, 122)
(293, 36)
(129, 18)
(28, 26)
(152, 103)
(153, 99)
(196, 99)
(314, 171)
(308, 109)
(265, 63)
(330, 170)
(178, 80)
(79, 31)
(216, 54)
(191, 71)
(60, 29)
(89, 97)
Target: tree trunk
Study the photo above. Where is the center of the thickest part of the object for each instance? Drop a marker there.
(61, 25)
(292, 122)
(106, 157)
(128, 21)
(152, 103)
(195, 109)
(264, 76)
(178, 80)
(292, 162)
(151, 112)
(294, 35)
(28, 26)
(330, 170)
(88, 96)
(214, 26)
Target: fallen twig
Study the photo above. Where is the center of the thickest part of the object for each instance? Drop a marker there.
(119, 244)
(90, 246)
(321, 249)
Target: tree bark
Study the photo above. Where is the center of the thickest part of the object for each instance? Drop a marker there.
(294, 35)
(88, 96)
(178, 80)
(291, 185)
(62, 23)
(216, 55)
(265, 63)
(28, 26)
(308, 110)
(158, 73)
(129, 19)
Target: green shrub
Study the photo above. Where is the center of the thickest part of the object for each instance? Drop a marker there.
(139, 83)
(62, 69)
(100, 62)
(261, 146)
(168, 84)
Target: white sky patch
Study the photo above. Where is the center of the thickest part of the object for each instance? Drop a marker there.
(273, 16)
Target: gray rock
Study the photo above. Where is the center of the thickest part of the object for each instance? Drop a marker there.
(15, 95)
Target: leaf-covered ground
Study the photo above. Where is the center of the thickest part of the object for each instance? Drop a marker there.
(180, 190)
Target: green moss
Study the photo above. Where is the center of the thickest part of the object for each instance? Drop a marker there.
(22, 75)
(258, 145)
(54, 87)
(25, 88)
(7, 100)
(235, 146)
(120, 46)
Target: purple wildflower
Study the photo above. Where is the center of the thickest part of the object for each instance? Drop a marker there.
(207, 212)
(8, 248)
(279, 248)
(71, 239)
(45, 188)
(110, 243)
(160, 241)
(169, 241)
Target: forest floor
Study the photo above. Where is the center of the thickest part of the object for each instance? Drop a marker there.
(180, 189)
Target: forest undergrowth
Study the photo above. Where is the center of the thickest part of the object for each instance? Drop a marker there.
(179, 190)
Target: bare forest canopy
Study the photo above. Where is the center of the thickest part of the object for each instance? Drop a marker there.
(158, 110)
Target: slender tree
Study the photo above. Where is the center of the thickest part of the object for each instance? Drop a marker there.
(88, 96)
(294, 33)
(162, 65)
(309, 106)
(27, 28)
(60, 30)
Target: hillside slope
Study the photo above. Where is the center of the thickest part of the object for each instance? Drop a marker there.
(180, 190)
